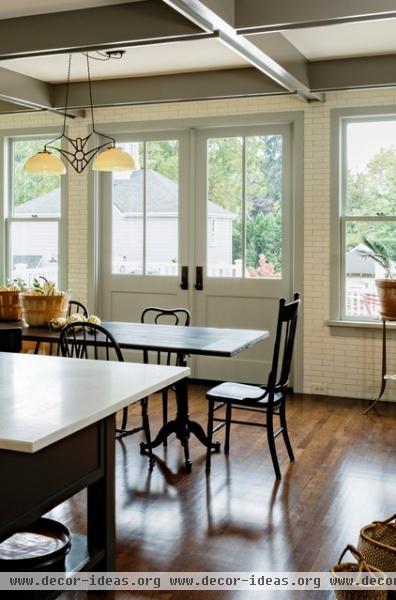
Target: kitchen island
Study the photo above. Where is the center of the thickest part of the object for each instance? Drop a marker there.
(57, 437)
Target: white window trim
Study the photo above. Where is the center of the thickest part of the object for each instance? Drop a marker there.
(338, 219)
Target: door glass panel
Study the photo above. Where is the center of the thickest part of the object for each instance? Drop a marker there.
(34, 250)
(162, 207)
(224, 209)
(145, 236)
(127, 214)
(244, 210)
(263, 206)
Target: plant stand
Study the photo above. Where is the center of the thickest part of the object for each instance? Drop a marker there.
(384, 375)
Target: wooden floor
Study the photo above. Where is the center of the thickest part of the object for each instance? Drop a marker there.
(239, 518)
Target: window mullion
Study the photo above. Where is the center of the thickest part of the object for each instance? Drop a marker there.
(144, 206)
(243, 207)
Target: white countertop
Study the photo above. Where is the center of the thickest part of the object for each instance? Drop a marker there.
(43, 399)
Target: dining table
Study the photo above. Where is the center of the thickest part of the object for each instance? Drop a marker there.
(57, 437)
(183, 342)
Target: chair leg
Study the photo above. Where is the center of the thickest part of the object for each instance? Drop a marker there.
(165, 411)
(271, 444)
(228, 428)
(209, 434)
(146, 427)
(124, 418)
(282, 415)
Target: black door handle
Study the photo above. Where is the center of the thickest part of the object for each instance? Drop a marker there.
(184, 278)
(199, 278)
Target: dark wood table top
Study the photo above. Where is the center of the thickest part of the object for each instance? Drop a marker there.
(206, 341)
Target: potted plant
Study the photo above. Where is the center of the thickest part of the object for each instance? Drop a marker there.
(386, 287)
(43, 303)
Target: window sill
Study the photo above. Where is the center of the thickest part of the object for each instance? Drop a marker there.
(359, 324)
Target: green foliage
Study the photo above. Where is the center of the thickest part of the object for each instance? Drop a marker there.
(28, 186)
(263, 193)
(377, 252)
(372, 192)
(163, 157)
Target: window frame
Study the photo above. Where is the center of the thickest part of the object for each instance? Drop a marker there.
(340, 118)
(8, 209)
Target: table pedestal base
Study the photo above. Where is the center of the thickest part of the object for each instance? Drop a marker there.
(182, 426)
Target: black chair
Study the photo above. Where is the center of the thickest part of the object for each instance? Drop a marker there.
(76, 307)
(88, 340)
(269, 399)
(166, 316)
(11, 339)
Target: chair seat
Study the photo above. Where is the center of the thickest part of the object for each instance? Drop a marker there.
(240, 392)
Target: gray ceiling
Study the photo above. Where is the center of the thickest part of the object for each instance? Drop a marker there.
(193, 49)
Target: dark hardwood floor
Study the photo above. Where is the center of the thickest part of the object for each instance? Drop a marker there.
(239, 518)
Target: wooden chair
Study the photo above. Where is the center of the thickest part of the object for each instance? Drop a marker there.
(166, 316)
(76, 307)
(87, 340)
(269, 398)
(11, 339)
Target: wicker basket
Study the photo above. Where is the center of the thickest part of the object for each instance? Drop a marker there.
(377, 543)
(39, 310)
(10, 306)
(359, 566)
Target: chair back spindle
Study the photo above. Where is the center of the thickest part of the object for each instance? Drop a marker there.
(165, 316)
(76, 339)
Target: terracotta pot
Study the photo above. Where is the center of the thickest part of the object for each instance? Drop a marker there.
(387, 295)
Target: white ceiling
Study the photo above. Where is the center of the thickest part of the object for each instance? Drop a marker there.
(345, 40)
(20, 8)
(175, 57)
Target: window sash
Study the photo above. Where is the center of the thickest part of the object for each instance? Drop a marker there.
(344, 220)
(11, 218)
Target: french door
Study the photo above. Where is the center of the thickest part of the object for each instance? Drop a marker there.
(243, 241)
(204, 222)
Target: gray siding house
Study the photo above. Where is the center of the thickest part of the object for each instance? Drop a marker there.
(36, 246)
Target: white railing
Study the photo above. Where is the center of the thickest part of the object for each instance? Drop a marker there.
(361, 303)
(20, 271)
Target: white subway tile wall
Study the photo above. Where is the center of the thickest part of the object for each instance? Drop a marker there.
(336, 365)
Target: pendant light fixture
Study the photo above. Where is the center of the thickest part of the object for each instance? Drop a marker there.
(78, 153)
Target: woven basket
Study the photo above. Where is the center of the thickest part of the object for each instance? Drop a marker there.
(39, 310)
(10, 306)
(377, 543)
(359, 566)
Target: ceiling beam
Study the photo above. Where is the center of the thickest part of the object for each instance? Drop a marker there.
(114, 26)
(29, 93)
(24, 91)
(225, 83)
(276, 46)
(353, 73)
(257, 16)
(10, 108)
(203, 13)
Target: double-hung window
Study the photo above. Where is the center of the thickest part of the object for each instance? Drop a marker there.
(34, 216)
(366, 209)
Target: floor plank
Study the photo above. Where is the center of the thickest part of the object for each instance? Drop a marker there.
(239, 518)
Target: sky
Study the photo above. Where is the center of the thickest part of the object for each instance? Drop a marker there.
(365, 140)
